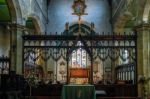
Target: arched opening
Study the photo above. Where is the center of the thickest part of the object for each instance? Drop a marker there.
(79, 66)
(7, 15)
(33, 25)
(146, 12)
(79, 57)
(84, 28)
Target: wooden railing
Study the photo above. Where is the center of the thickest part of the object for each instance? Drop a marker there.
(118, 98)
(58, 97)
(114, 90)
(11, 86)
(118, 90)
(126, 72)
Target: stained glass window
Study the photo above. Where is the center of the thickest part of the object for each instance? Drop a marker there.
(79, 57)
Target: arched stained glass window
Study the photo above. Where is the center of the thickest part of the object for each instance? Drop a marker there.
(79, 57)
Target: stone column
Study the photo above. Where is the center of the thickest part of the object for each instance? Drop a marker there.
(16, 48)
(13, 44)
(143, 58)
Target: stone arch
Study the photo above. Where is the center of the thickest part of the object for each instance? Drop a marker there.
(36, 22)
(146, 12)
(15, 11)
(139, 6)
(12, 10)
(149, 18)
(126, 16)
(85, 28)
(121, 22)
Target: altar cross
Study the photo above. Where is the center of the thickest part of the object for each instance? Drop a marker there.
(79, 10)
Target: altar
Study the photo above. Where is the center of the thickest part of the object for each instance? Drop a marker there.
(78, 92)
(79, 75)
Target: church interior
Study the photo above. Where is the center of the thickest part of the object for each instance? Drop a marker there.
(74, 49)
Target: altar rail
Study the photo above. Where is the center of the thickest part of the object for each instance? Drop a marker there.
(118, 98)
(11, 82)
(45, 90)
(117, 90)
(58, 97)
(114, 90)
(11, 86)
(125, 90)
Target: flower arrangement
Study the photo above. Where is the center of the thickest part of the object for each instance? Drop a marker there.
(31, 80)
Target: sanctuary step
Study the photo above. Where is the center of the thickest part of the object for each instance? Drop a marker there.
(116, 90)
(58, 97)
(102, 90)
(42, 97)
(118, 98)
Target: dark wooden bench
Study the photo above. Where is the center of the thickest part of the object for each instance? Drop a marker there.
(118, 98)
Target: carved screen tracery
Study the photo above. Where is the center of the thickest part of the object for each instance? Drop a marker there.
(111, 50)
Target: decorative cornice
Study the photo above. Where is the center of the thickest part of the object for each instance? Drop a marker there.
(18, 26)
(142, 26)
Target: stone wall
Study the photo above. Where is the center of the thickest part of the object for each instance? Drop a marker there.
(135, 14)
(36, 9)
(60, 12)
(4, 41)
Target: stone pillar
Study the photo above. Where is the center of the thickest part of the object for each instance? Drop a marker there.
(19, 51)
(16, 48)
(143, 58)
(13, 44)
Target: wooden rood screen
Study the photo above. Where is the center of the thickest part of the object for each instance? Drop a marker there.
(112, 47)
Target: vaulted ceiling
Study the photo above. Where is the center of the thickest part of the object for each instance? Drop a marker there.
(4, 11)
(110, 2)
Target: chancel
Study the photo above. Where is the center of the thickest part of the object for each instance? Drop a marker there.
(74, 49)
